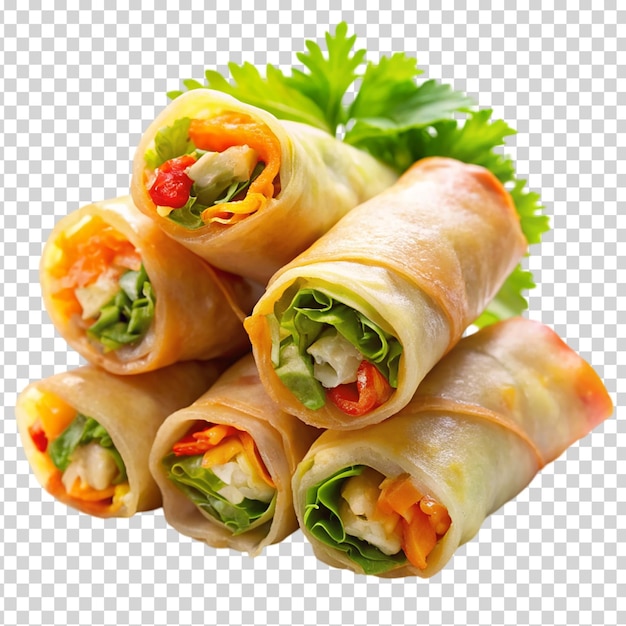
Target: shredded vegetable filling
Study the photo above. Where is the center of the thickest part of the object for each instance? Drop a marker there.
(325, 351)
(219, 468)
(102, 283)
(378, 522)
(90, 467)
(221, 169)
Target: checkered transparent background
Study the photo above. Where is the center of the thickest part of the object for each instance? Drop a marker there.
(77, 89)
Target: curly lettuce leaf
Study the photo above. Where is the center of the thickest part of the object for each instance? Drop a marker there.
(201, 486)
(170, 142)
(302, 317)
(322, 520)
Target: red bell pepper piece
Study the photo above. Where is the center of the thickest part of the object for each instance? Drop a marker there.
(370, 391)
(38, 436)
(200, 441)
(172, 186)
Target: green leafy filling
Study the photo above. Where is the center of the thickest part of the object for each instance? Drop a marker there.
(173, 141)
(393, 117)
(190, 215)
(81, 431)
(201, 486)
(322, 520)
(127, 317)
(301, 318)
(170, 142)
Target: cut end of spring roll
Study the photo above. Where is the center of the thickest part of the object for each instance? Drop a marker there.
(344, 333)
(129, 299)
(87, 434)
(224, 464)
(228, 180)
(398, 498)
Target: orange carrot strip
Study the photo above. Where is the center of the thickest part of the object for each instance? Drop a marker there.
(398, 495)
(89, 258)
(55, 415)
(437, 515)
(223, 452)
(219, 444)
(215, 434)
(88, 494)
(423, 521)
(252, 452)
(85, 256)
(237, 129)
(55, 487)
(202, 441)
(418, 538)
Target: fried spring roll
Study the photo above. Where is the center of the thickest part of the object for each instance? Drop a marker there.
(344, 334)
(87, 433)
(398, 498)
(242, 189)
(224, 464)
(129, 299)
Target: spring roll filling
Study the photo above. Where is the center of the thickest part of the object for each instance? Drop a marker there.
(220, 169)
(378, 522)
(218, 467)
(88, 466)
(324, 350)
(101, 283)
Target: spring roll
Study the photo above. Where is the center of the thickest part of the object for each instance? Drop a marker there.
(398, 498)
(87, 433)
(242, 189)
(224, 464)
(344, 334)
(130, 299)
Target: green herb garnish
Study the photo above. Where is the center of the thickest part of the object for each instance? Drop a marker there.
(382, 108)
(169, 143)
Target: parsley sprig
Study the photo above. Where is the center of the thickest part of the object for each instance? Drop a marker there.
(382, 108)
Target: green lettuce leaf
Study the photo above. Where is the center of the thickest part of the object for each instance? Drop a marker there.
(170, 142)
(127, 317)
(322, 520)
(303, 317)
(509, 301)
(190, 215)
(201, 485)
(81, 431)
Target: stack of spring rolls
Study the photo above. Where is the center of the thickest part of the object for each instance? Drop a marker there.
(276, 334)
